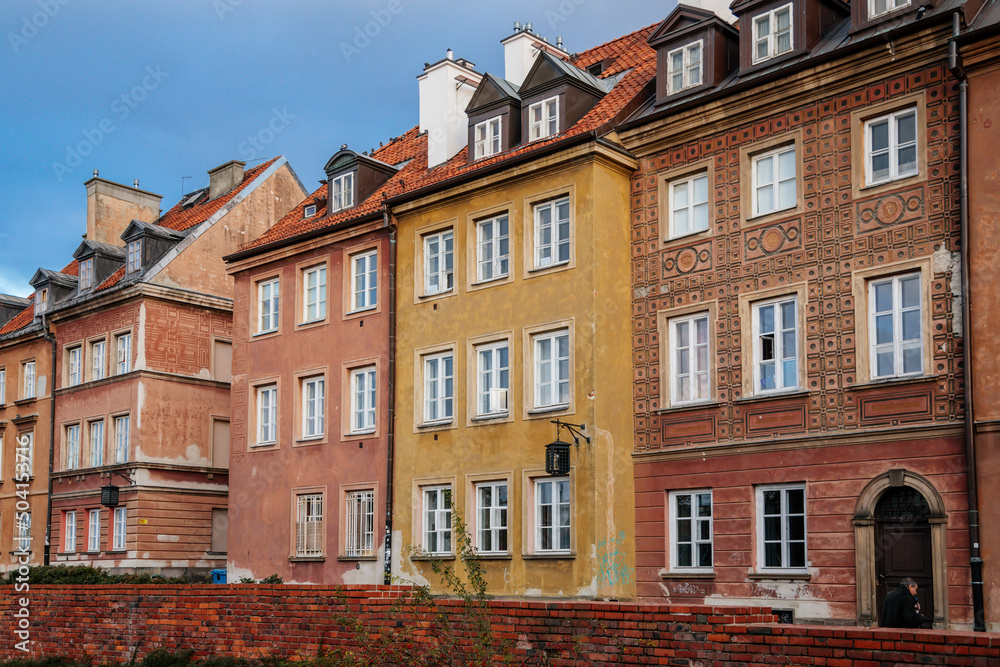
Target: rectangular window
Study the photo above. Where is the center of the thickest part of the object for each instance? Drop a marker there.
(134, 256)
(98, 361)
(118, 530)
(309, 211)
(781, 530)
(879, 7)
(122, 425)
(492, 249)
(86, 274)
(775, 345)
(487, 138)
(313, 406)
(895, 335)
(774, 181)
(41, 301)
(28, 375)
(689, 205)
(359, 514)
(309, 525)
(123, 344)
(492, 379)
(684, 67)
(439, 387)
(439, 262)
(551, 369)
(543, 119)
(364, 280)
(314, 294)
(94, 530)
(3, 386)
(342, 192)
(689, 364)
(552, 517)
(267, 414)
(690, 519)
(97, 443)
(363, 400)
(26, 460)
(22, 534)
(552, 233)
(891, 147)
(491, 517)
(437, 520)
(267, 306)
(73, 447)
(772, 33)
(69, 541)
(74, 358)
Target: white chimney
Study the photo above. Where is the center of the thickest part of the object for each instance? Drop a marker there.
(519, 51)
(446, 88)
(720, 7)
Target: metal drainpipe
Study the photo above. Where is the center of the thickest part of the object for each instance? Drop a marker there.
(975, 560)
(52, 436)
(391, 429)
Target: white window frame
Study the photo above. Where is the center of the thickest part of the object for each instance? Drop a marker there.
(691, 207)
(898, 313)
(87, 273)
(547, 377)
(364, 400)
(123, 358)
(3, 386)
(364, 281)
(442, 278)
(890, 6)
(776, 182)
(547, 122)
(493, 519)
(28, 373)
(119, 529)
(41, 301)
(30, 435)
(267, 414)
(690, 351)
(313, 407)
(695, 537)
(22, 532)
(314, 294)
(780, 355)
(439, 388)
(93, 530)
(487, 136)
(134, 261)
(492, 383)
(784, 539)
(98, 359)
(771, 38)
(74, 375)
(894, 147)
(437, 521)
(267, 305)
(69, 526)
(341, 192)
(359, 523)
(309, 211)
(72, 446)
(123, 426)
(492, 260)
(309, 525)
(559, 534)
(96, 428)
(558, 230)
(691, 75)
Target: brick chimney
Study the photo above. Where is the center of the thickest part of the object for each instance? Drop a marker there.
(224, 178)
(112, 206)
(446, 88)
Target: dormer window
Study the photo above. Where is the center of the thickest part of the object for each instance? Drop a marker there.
(685, 67)
(879, 7)
(309, 211)
(41, 301)
(86, 274)
(342, 192)
(134, 256)
(772, 33)
(543, 118)
(488, 137)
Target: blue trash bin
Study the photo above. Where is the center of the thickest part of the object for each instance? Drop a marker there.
(218, 576)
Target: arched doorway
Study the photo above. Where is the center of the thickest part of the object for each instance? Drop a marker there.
(903, 546)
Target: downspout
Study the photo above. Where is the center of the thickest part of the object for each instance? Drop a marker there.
(391, 429)
(975, 560)
(52, 436)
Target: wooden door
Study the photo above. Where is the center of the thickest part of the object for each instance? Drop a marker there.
(903, 547)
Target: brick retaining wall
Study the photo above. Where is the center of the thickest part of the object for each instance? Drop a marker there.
(251, 621)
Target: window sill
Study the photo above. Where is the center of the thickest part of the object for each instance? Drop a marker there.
(311, 323)
(494, 556)
(436, 295)
(429, 557)
(549, 267)
(25, 401)
(435, 424)
(557, 555)
(497, 416)
(697, 405)
(262, 334)
(549, 408)
(360, 434)
(780, 576)
(263, 445)
(499, 280)
(706, 576)
(112, 552)
(351, 559)
(904, 379)
(306, 559)
(361, 311)
(312, 439)
(773, 396)
(690, 236)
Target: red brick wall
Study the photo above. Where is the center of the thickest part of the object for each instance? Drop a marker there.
(290, 621)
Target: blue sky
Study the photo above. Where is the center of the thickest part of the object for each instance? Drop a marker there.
(157, 91)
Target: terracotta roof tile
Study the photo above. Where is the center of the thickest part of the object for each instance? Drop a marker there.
(111, 280)
(21, 320)
(72, 269)
(180, 219)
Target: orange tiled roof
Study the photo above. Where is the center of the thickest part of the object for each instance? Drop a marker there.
(72, 269)
(20, 320)
(629, 55)
(111, 280)
(180, 219)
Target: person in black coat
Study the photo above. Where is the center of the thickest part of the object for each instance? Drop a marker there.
(901, 609)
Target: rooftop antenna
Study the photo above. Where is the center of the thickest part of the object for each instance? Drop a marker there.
(182, 184)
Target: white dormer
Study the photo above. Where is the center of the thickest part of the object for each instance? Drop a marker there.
(446, 88)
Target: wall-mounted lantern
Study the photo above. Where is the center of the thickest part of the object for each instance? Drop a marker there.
(557, 452)
(109, 492)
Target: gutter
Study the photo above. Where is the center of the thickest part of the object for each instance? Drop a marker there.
(391, 429)
(47, 335)
(298, 238)
(975, 559)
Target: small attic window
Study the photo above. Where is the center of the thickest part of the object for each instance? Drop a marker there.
(543, 119)
(488, 141)
(877, 8)
(342, 192)
(684, 67)
(772, 33)
(41, 301)
(596, 69)
(309, 211)
(134, 256)
(87, 274)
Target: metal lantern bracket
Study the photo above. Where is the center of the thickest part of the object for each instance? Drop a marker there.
(575, 429)
(557, 453)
